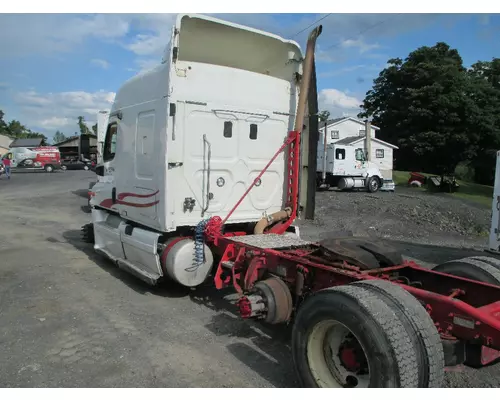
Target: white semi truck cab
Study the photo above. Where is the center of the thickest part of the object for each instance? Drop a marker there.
(185, 140)
(347, 167)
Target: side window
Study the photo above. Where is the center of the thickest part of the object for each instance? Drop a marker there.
(228, 129)
(340, 154)
(334, 134)
(110, 142)
(379, 153)
(253, 131)
(360, 155)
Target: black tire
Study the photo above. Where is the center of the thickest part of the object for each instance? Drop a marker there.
(88, 233)
(390, 356)
(494, 262)
(471, 269)
(479, 270)
(48, 168)
(364, 253)
(419, 326)
(373, 184)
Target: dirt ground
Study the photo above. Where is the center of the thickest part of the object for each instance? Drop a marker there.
(69, 318)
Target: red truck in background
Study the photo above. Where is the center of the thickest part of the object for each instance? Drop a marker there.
(45, 158)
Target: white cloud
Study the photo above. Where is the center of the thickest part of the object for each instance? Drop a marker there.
(97, 62)
(50, 111)
(155, 36)
(341, 71)
(339, 103)
(46, 34)
(147, 64)
(360, 44)
(55, 122)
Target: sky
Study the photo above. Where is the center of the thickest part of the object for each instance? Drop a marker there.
(55, 67)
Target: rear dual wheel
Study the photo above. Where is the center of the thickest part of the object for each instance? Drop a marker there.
(366, 335)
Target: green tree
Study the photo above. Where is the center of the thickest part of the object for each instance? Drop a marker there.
(94, 129)
(16, 129)
(421, 104)
(485, 91)
(59, 137)
(3, 125)
(84, 129)
(323, 117)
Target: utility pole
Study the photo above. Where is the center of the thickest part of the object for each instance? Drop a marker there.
(368, 140)
(323, 116)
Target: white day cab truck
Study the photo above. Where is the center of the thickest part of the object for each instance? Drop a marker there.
(347, 167)
(200, 178)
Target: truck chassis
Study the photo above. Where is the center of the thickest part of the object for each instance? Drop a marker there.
(362, 317)
(353, 300)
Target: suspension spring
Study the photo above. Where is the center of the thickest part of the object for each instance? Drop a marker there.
(199, 246)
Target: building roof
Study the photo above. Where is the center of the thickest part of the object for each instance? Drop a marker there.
(336, 121)
(72, 138)
(332, 121)
(349, 140)
(67, 140)
(35, 142)
(355, 139)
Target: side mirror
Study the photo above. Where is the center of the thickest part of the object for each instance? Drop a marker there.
(99, 170)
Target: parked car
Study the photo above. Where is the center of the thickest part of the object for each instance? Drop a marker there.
(70, 164)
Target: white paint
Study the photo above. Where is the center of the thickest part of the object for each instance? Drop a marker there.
(494, 240)
(347, 127)
(225, 74)
(102, 124)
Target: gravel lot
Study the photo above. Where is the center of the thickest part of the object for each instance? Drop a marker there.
(69, 318)
(407, 215)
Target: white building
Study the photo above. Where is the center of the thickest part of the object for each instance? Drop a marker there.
(351, 131)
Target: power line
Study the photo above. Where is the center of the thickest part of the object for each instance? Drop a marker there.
(339, 43)
(361, 32)
(298, 33)
(309, 26)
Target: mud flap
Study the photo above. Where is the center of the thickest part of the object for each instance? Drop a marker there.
(477, 356)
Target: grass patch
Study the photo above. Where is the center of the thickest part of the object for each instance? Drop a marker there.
(469, 191)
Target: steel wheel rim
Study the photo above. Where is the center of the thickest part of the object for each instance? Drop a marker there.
(374, 184)
(323, 349)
